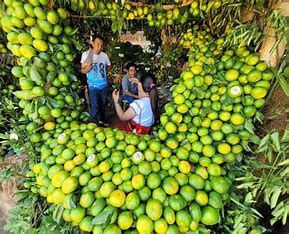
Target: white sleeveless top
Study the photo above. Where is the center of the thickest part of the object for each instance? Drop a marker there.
(144, 114)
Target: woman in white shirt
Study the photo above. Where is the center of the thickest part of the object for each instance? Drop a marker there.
(139, 116)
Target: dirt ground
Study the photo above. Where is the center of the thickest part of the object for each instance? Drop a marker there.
(8, 188)
(6, 203)
(275, 113)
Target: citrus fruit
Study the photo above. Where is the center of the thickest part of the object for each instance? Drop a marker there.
(86, 199)
(196, 181)
(138, 181)
(183, 218)
(177, 202)
(220, 184)
(125, 220)
(154, 209)
(144, 224)
(170, 185)
(117, 198)
(132, 201)
(210, 216)
(224, 148)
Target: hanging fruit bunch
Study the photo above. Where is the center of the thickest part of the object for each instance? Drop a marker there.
(39, 36)
(158, 15)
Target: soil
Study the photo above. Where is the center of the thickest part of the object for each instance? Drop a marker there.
(8, 188)
(7, 202)
(275, 113)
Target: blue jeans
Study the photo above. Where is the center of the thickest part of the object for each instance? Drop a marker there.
(128, 98)
(97, 99)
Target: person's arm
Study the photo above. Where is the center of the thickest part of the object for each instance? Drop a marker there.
(125, 83)
(130, 94)
(108, 64)
(123, 116)
(137, 83)
(108, 68)
(85, 68)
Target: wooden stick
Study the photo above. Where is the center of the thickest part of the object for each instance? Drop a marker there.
(165, 7)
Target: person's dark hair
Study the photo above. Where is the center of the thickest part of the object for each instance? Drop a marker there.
(130, 64)
(95, 36)
(148, 81)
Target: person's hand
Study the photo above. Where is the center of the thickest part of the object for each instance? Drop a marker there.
(115, 95)
(85, 68)
(88, 66)
(134, 80)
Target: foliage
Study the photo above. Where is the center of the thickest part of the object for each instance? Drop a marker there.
(261, 182)
(282, 76)
(240, 216)
(245, 35)
(123, 52)
(33, 215)
(280, 26)
(250, 23)
(9, 110)
(6, 173)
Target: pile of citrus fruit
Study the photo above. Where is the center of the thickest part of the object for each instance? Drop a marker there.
(40, 39)
(137, 181)
(112, 182)
(109, 181)
(215, 100)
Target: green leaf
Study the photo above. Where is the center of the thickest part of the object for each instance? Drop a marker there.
(71, 203)
(57, 214)
(114, 26)
(51, 48)
(103, 217)
(278, 209)
(237, 221)
(71, 76)
(284, 162)
(35, 76)
(54, 59)
(26, 70)
(246, 185)
(263, 142)
(285, 172)
(246, 146)
(184, 142)
(120, 24)
(275, 196)
(269, 154)
(255, 139)
(285, 137)
(33, 116)
(275, 139)
(284, 218)
(249, 126)
(249, 198)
